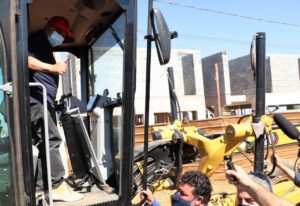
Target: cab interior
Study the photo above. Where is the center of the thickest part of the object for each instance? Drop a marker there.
(87, 18)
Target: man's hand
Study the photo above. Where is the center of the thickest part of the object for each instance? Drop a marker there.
(59, 68)
(37, 65)
(242, 179)
(148, 195)
(275, 159)
(290, 173)
(256, 191)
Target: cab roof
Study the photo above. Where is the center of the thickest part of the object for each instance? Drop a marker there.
(87, 18)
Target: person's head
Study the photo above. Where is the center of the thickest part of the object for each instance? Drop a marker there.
(194, 189)
(57, 29)
(263, 180)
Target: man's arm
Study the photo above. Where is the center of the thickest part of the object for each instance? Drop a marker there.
(37, 65)
(149, 198)
(257, 192)
(279, 163)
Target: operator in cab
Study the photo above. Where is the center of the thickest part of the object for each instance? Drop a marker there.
(45, 70)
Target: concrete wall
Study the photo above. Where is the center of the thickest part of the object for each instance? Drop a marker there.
(242, 80)
(282, 79)
(188, 80)
(195, 80)
(285, 78)
(285, 73)
(237, 85)
(210, 84)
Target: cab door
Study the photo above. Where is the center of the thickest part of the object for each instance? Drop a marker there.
(16, 179)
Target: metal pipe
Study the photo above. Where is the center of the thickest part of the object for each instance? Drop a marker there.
(48, 163)
(147, 94)
(171, 93)
(219, 113)
(89, 144)
(260, 98)
(129, 83)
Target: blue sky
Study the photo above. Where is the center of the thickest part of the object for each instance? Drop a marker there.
(214, 30)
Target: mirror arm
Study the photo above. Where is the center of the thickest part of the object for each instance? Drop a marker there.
(150, 37)
(173, 35)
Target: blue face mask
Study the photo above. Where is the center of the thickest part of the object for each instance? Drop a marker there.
(178, 201)
(55, 39)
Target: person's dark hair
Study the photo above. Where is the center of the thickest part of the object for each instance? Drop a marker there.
(262, 180)
(200, 182)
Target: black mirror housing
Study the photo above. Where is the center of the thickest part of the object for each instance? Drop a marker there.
(162, 36)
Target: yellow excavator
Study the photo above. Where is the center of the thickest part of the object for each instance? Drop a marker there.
(160, 164)
(209, 152)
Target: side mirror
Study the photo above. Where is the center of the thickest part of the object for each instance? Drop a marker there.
(162, 36)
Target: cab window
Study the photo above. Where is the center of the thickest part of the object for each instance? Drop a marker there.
(106, 70)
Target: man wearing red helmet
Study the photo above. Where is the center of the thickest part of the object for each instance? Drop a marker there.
(44, 69)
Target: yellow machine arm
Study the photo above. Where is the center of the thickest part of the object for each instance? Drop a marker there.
(212, 151)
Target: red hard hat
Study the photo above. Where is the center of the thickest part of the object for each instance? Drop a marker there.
(61, 23)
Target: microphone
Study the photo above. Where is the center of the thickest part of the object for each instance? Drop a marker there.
(286, 126)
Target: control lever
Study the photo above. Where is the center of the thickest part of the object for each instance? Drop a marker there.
(230, 165)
